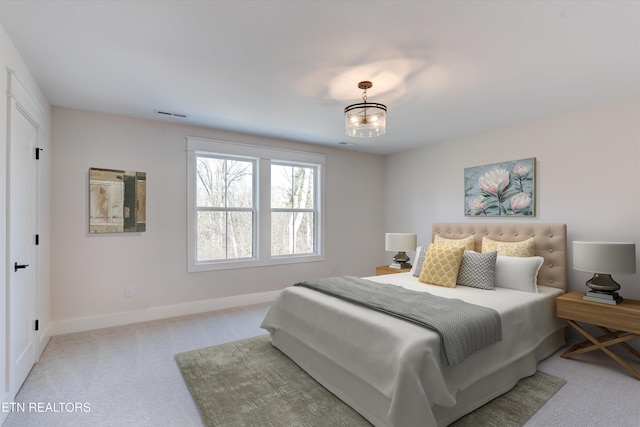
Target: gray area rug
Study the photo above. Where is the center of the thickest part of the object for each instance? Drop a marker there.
(251, 383)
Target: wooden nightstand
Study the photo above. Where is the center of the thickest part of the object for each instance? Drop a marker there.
(620, 323)
(385, 269)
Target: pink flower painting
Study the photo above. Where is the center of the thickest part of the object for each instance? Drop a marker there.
(520, 201)
(494, 181)
(500, 189)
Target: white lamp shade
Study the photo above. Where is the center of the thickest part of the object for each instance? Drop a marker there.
(400, 242)
(605, 257)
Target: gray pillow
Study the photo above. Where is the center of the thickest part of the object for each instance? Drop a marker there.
(421, 251)
(478, 270)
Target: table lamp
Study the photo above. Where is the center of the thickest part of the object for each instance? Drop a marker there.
(401, 243)
(604, 259)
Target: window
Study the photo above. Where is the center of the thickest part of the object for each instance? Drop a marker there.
(225, 206)
(252, 206)
(293, 213)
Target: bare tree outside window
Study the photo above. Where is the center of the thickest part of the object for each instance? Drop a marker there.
(293, 215)
(224, 208)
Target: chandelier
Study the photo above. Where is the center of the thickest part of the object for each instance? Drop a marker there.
(365, 119)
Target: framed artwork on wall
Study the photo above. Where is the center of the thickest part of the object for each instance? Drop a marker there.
(501, 189)
(117, 201)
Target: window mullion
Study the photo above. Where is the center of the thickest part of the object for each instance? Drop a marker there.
(216, 209)
(291, 210)
(263, 208)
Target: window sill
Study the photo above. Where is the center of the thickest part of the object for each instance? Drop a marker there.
(241, 264)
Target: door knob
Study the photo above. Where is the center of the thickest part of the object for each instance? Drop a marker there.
(17, 266)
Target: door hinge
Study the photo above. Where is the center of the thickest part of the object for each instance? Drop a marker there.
(37, 239)
(37, 325)
(38, 150)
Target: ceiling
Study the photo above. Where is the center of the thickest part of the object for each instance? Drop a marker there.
(287, 69)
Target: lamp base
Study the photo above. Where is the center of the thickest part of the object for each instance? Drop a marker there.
(602, 283)
(611, 298)
(401, 260)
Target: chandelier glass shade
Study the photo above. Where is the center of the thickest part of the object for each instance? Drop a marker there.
(365, 119)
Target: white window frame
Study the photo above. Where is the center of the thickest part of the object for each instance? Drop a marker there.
(316, 206)
(262, 247)
(254, 200)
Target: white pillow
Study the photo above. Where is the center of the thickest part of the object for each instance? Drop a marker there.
(518, 273)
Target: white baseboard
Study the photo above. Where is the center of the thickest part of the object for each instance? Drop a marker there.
(161, 312)
(43, 338)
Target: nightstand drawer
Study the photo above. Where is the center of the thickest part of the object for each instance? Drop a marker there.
(624, 316)
(385, 269)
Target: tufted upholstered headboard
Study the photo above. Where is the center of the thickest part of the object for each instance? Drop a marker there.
(550, 243)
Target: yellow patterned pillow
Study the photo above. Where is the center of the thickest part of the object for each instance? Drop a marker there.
(519, 249)
(467, 242)
(441, 265)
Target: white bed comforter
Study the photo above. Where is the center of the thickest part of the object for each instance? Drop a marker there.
(401, 360)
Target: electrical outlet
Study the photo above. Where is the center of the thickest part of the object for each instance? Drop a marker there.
(128, 292)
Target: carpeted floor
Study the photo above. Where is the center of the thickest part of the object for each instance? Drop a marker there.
(129, 376)
(251, 383)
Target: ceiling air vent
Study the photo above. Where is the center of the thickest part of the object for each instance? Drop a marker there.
(170, 114)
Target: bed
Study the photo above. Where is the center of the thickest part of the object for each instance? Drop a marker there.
(391, 371)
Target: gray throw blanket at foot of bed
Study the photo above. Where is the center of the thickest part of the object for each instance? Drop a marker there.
(463, 328)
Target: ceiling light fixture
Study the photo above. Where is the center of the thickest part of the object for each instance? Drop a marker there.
(365, 119)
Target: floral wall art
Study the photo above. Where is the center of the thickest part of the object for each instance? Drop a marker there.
(501, 189)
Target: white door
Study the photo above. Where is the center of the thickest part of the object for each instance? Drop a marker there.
(22, 257)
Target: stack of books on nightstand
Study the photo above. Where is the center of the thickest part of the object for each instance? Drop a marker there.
(603, 297)
(399, 266)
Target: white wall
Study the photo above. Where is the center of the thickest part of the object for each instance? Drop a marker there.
(90, 272)
(10, 59)
(588, 176)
